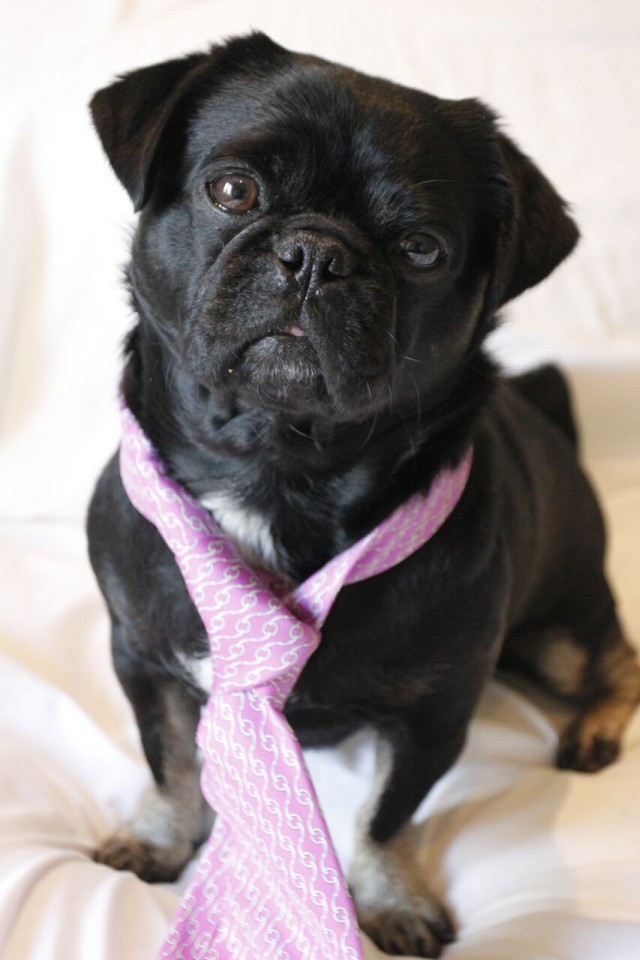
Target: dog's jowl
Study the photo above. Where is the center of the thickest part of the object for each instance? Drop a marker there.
(319, 257)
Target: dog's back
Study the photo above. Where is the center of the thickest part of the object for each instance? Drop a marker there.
(547, 389)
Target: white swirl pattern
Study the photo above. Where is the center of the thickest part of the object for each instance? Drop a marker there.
(269, 885)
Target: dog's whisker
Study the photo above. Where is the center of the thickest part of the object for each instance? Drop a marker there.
(418, 404)
(424, 183)
(297, 430)
(389, 387)
(369, 390)
(372, 430)
(170, 372)
(402, 356)
(370, 433)
(194, 305)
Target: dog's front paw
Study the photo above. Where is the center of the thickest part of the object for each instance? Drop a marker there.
(155, 864)
(395, 906)
(419, 930)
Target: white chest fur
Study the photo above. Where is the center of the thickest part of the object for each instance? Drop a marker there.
(251, 533)
(249, 530)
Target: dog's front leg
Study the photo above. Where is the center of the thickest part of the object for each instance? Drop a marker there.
(173, 816)
(394, 904)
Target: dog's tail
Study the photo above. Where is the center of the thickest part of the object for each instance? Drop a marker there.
(547, 389)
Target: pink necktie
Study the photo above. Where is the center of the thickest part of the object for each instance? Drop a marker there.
(269, 884)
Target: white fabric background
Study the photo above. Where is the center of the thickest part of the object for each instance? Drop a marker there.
(534, 863)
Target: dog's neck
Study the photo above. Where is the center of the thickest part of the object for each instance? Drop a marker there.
(293, 494)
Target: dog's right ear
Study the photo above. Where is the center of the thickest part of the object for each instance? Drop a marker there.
(540, 232)
(132, 117)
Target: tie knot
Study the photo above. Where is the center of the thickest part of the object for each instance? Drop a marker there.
(267, 647)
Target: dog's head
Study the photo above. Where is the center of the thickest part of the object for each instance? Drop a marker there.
(313, 239)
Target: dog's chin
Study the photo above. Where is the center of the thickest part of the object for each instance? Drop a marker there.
(283, 371)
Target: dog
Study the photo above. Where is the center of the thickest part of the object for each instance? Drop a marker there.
(318, 260)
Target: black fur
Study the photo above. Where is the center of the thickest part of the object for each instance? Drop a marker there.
(326, 434)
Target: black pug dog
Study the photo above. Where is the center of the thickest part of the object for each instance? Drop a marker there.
(318, 259)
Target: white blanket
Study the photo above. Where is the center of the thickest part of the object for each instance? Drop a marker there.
(534, 863)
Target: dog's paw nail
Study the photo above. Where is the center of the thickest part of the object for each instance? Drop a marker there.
(444, 930)
(585, 754)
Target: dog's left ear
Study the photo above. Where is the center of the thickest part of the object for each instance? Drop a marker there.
(537, 234)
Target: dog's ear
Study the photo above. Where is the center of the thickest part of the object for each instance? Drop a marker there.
(142, 118)
(537, 233)
(132, 116)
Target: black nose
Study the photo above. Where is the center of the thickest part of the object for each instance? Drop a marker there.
(314, 257)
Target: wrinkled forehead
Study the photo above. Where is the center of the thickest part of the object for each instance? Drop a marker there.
(311, 97)
(329, 132)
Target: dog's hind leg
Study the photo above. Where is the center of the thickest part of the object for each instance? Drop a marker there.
(595, 670)
(593, 739)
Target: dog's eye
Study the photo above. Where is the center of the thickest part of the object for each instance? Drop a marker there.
(234, 192)
(422, 249)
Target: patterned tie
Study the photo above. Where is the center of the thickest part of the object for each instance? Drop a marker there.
(269, 885)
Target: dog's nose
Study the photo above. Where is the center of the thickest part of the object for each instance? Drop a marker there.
(315, 257)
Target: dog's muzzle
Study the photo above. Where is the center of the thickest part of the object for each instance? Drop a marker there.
(299, 314)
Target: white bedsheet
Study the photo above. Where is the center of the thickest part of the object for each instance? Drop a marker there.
(534, 863)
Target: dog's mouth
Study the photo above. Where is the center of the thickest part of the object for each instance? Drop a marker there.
(281, 363)
(277, 337)
(280, 334)
(300, 366)
(292, 331)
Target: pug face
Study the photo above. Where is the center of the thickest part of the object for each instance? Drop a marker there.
(314, 240)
